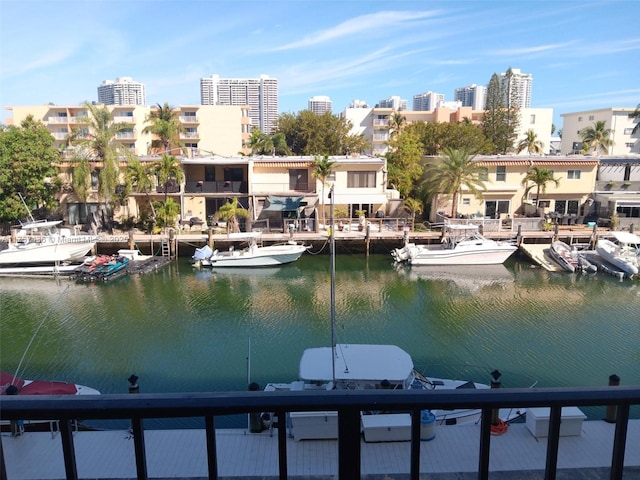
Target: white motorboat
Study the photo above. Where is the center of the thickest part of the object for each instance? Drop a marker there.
(461, 245)
(253, 255)
(625, 254)
(570, 259)
(41, 243)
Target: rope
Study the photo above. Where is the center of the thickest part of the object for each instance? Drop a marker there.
(499, 429)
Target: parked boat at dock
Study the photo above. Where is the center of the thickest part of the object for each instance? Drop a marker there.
(461, 245)
(570, 259)
(102, 268)
(253, 255)
(624, 255)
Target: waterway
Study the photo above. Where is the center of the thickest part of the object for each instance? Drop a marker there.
(182, 329)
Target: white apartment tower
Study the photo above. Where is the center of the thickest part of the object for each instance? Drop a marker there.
(259, 94)
(320, 104)
(394, 102)
(427, 101)
(122, 91)
(474, 96)
(521, 82)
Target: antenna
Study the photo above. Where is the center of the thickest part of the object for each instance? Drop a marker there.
(25, 206)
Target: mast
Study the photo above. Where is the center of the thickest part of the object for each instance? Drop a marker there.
(332, 251)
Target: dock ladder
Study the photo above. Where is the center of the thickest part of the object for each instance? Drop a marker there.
(166, 247)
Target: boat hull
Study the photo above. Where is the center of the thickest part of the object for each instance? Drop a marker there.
(489, 256)
(33, 254)
(612, 254)
(259, 257)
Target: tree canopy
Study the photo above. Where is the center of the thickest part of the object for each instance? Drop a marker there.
(597, 138)
(539, 177)
(404, 161)
(164, 123)
(499, 122)
(27, 159)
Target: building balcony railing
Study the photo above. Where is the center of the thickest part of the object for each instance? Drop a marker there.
(126, 136)
(215, 187)
(189, 119)
(347, 403)
(284, 188)
(190, 135)
(381, 122)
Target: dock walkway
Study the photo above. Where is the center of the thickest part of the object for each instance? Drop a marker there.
(452, 454)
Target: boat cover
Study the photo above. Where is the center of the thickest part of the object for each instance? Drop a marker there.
(356, 363)
(35, 387)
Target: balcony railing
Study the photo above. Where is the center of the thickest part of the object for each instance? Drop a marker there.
(348, 404)
(215, 187)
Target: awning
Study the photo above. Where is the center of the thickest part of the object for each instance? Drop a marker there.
(283, 204)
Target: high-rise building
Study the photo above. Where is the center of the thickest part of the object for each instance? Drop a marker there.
(122, 91)
(520, 85)
(394, 102)
(474, 96)
(259, 94)
(427, 101)
(320, 104)
(358, 104)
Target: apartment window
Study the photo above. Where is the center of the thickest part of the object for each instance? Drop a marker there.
(566, 207)
(189, 114)
(573, 174)
(95, 179)
(466, 201)
(483, 174)
(532, 120)
(628, 131)
(629, 144)
(591, 118)
(493, 208)
(361, 179)
(579, 119)
(501, 173)
(62, 115)
(299, 179)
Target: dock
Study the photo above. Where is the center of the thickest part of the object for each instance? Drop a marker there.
(539, 254)
(451, 454)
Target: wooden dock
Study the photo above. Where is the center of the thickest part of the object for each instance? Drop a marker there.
(452, 454)
(539, 254)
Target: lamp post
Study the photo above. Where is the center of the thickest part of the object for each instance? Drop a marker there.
(332, 252)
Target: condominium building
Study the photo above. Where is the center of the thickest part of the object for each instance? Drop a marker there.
(474, 96)
(427, 101)
(520, 84)
(259, 94)
(320, 104)
(616, 120)
(121, 91)
(394, 102)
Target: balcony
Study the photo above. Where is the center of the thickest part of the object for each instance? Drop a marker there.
(215, 187)
(218, 450)
(189, 119)
(189, 135)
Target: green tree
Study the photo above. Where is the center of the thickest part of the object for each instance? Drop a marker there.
(539, 178)
(636, 116)
(322, 168)
(229, 212)
(498, 123)
(513, 98)
(166, 212)
(259, 143)
(98, 138)
(596, 138)
(27, 166)
(168, 171)
(530, 143)
(404, 162)
(140, 178)
(166, 126)
(436, 136)
(397, 121)
(413, 206)
(455, 171)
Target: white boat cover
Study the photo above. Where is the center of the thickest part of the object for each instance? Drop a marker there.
(627, 238)
(356, 363)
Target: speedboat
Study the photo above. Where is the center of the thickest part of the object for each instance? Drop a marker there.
(12, 385)
(461, 245)
(570, 259)
(41, 244)
(368, 367)
(253, 255)
(625, 254)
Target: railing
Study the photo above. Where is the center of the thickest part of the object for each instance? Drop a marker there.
(215, 187)
(348, 404)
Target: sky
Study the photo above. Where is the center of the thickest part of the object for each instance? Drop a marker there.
(583, 55)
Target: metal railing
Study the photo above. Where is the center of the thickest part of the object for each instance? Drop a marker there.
(348, 404)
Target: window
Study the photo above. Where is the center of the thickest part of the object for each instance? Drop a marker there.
(299, 179)
(628, 131)
(591, 118)
(361, 179)
(466, 201)
(579, 119)
(493, 208)
(501, 173)
(483, 174)
(209, 173)
(629, 144)
(566, 207)
(95, 179)
(532, 120)
(233, 174)
(573, 174)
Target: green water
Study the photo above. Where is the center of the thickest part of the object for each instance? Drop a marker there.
(182, 329)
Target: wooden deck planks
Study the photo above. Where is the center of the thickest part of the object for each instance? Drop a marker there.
(182, 453)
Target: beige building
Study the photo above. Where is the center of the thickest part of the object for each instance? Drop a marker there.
(374, 123)
(505, 194)
(222, 129)
(616, 119)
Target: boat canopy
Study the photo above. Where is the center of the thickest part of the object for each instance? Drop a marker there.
(372, 363)
(627, 238)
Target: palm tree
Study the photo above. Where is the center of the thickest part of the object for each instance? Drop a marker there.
(167, 212)
(97, 137)
(540, 177)
(456, 171)
(166, 126)
(636, 116)
(596, 138)
(322, 169)
(414, 207)
(230, 212)
(531, 143)
(396, 122)
(141, 178)
(81, 178)
(168, 170)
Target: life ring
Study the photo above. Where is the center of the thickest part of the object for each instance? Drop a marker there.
(499, 429)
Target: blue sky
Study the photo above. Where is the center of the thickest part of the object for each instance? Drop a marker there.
(583, 54)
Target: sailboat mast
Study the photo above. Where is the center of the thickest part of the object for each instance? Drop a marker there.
(332, 245)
